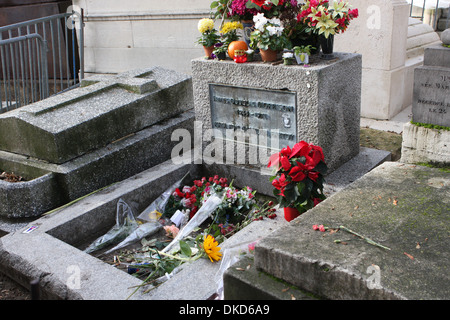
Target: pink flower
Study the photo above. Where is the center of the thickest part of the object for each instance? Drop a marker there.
(171, 231)
(251, 246)
(321, 228)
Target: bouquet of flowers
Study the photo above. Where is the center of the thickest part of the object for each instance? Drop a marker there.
(271, 8)
(298, 180)
(326, 20)
(233, 209)
(240, 11)
(268, 34)
(192, 197)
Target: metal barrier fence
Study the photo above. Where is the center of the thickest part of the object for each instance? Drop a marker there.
(423, 3)
(40, 58)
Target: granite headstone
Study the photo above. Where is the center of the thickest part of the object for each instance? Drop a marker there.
(431, 97)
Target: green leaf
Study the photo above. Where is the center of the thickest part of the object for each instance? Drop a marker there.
(214, 4)
(275, 2)
(251, 5)
(185, 249)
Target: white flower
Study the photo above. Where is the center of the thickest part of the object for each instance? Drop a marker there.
(260, 21)
(288, 55)
(275, 21)
(272, 30)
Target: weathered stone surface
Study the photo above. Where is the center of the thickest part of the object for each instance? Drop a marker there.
(445, 36)
(431, 99)
(328, 97)
(423, 145)
(63, 127)
(65, 182)
(437, 55)
(403, 207)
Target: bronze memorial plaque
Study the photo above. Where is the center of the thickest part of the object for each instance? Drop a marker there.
(264, 113)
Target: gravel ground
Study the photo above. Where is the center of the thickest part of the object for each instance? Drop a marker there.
(10, 290)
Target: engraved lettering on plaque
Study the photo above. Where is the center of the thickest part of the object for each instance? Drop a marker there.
(241, 108)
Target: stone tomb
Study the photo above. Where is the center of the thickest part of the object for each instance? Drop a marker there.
(74, 143)
(279, 105)
(431, 99)
(431, 107)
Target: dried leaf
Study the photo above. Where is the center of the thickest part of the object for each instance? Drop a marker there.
(285, 289)
(240, 269)
(395, 202)
(408, 255)
(418, 246)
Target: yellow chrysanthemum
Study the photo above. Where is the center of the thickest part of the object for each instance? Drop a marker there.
(230, 26)
(210, 245)
(205, 25)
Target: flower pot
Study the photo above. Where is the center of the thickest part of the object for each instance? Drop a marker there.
(327, 47)
(290, 213)
(268, 55)
(208, 51)
(221, 56)
(302, 58)
(287, 62)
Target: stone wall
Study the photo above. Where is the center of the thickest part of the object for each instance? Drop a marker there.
(142, 33)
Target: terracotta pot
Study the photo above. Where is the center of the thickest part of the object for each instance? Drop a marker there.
(208, 51)
(268, 55)
(290, 213)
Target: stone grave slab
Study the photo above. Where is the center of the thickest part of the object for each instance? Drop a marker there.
(52, 185)
(400, 206)
(65, 126)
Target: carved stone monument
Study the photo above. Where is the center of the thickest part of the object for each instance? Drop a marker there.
(428, 139)
(281, 105)
(431, 99)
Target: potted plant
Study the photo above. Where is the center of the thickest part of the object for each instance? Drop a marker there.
(220, 51)
(269, 37)
(326, 21)
(229, 31)
(209, 36)
(288, 58)
(302, 53)
(298, 179)
(249, 54)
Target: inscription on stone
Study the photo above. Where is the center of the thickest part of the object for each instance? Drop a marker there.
(270, 113)
(431, 101)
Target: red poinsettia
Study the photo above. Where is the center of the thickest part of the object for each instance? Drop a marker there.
(298, 179)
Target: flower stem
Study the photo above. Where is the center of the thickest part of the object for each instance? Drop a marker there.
(364, 238)
(180, 258)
